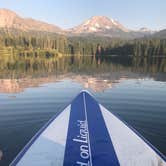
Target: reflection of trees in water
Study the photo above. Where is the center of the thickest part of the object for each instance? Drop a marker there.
(95, 72)
(149, 65)
(14, 66)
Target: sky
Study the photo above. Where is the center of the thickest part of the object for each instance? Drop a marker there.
(133, 14)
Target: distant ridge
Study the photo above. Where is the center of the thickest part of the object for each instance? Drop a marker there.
(9, 19)
(161, 34)
(97, 25)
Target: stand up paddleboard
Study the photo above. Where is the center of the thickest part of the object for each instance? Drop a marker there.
(87, 134)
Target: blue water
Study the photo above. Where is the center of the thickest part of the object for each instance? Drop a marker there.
(27, 104)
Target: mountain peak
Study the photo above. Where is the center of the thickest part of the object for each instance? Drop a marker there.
(99, 24)
(103, 20)
(100, 18)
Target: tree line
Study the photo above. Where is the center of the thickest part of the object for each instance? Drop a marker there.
(107, 46)
(83, 45)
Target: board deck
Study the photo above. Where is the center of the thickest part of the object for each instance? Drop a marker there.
(87, 134)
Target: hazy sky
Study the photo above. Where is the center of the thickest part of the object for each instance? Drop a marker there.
(133, 14)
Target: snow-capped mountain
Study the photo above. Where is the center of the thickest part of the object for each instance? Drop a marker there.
(99, 24)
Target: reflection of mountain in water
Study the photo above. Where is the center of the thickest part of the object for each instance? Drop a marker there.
(96, 83)
(97, 74)
(18, 85)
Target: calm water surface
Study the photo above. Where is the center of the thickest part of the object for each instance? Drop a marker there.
(30, 96)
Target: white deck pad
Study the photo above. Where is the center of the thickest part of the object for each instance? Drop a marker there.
(130, 148)
(49, 147)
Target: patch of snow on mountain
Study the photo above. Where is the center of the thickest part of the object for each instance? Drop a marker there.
(87, 22)
(113, 21)
(93, 29)
(107, 27)
(97, 25)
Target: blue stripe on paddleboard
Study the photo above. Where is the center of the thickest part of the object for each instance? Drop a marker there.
(88, 141)
(77, 151)
(102, 149)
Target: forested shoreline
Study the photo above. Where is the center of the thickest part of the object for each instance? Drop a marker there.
(85, 45)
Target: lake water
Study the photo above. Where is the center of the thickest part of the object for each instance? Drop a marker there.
(30, 95)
